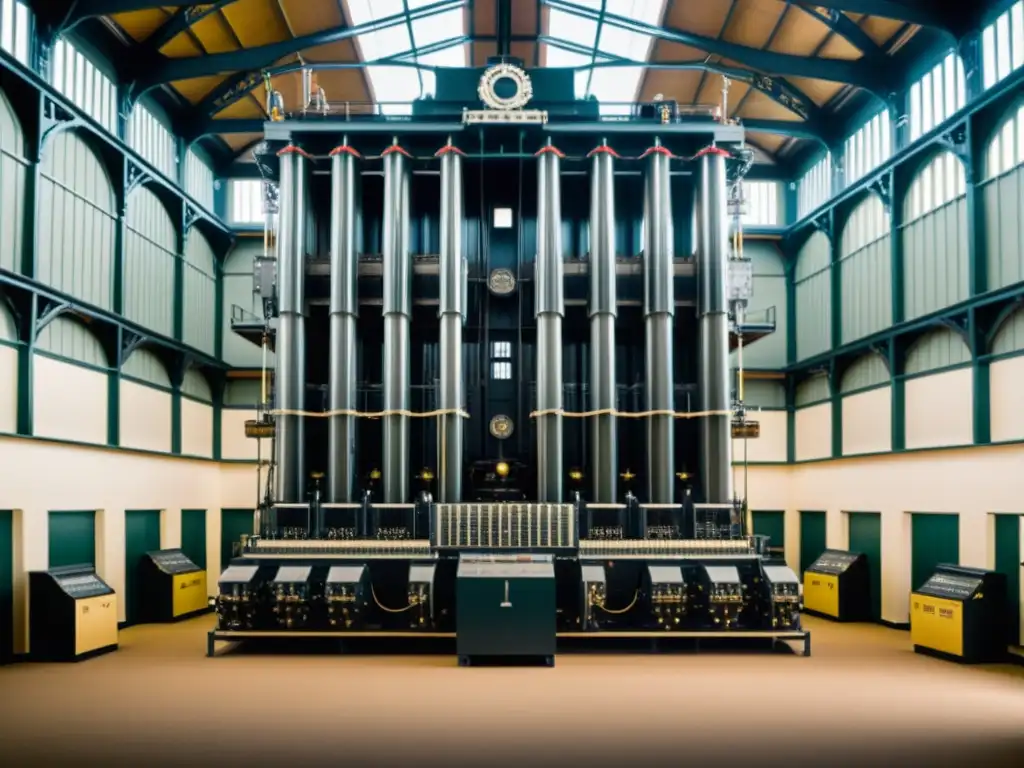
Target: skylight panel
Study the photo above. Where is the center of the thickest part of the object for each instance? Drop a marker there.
(624, 43)
(572, 28)
(394, 84)
(615, 84)
(441, 26)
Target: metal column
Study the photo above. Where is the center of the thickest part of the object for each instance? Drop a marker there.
(397, 318)
(341, 429)
(659, 312)
(290, 369)
(550, 309)
(604, 465)
(451, 313)
(713, 312)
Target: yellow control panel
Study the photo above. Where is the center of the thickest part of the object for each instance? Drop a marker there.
(937, 623)
(821, 593)
(95, 623)
(189, 593)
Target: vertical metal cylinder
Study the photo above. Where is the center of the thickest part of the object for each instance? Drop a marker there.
(550, 309)
(659, 311)
(713, 329)
(290, 369)
(603, 311)
(344, 310)
(451, 312)
(397, 317)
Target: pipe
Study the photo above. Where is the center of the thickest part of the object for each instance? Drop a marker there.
(290, 370)
(602, 325)
(307, 87)
(451, 311)
(659, 311)
(713, 329)
(344, 311)
(397, 318)
(550, 309)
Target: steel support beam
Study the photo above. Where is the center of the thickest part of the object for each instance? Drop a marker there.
(182, 19)
(846, 28)
(857, 73)
(927, 14)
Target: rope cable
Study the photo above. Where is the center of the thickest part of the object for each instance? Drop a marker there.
(630, 414)
(370, 414)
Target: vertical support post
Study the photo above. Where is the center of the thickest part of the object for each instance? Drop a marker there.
(603, 312)
(550, 311)
(344, 309)
(397, 320)
(713, 329)
(290, 371)
(659, 313)
(451, 313)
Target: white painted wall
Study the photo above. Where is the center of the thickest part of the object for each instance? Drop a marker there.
(196, 428)
(145, 417)
(771, 445)
(867, 422)
(1006, 392)
(938, 409)
(814, 432)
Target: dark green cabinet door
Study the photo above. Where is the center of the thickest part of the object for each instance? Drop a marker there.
(866, 537)
(772, 525)
(193, 535)
(1008, 560)
(6, 585)
(141, 535)
(934, 539)
(812, 538)
(72, 538)
(234, 523)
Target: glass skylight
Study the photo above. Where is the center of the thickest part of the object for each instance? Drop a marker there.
(405, 84)
(614, 87)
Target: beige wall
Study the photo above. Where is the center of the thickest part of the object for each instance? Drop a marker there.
(770, 447)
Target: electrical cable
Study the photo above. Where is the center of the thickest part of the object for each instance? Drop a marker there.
(384, 608)
(620, 611)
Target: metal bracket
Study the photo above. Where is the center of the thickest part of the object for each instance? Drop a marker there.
(958, 326)
(955, 140)
(55, 117)
(192, 215)
(51, 311)
(129, 343)
(882, 186)
(137, 176)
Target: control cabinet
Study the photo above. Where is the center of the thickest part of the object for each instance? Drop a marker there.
(345, 594)
(667, 596)
(292, 596)
(725, 594)
(957, 613)
(594, 593)
(173, 587)
(421, 595)
(238, 599)
(505, 607)
(838, 586)
(783, 597)
(72, 614)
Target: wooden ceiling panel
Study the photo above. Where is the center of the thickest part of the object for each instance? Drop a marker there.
(485, 17)
(678, 85)
(242, 109)
(181, 47)
(838, 47)
(768, 141)
(753, 21)
(704, 17)
(258, 22)
(215, 35)
(139, 25)
(881, 30)
(523, 51)
(197, 88)
(524, 17)
(799, 35)
(483, 51)
(711, 93)
(758, 106)
(668, 51)
(341, 51)
(307, 16)
(818, 91)
(238, 140)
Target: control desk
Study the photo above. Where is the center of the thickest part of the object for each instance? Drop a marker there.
(72, 614)
(838, 586)
(173, 587)
(958, 613)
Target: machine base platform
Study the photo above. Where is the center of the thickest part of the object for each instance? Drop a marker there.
(410, 643)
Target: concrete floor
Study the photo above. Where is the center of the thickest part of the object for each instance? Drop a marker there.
(863, 698)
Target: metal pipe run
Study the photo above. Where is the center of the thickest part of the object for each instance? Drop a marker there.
(713, 328)
(344, 311)
(659, 311)
(451, 312)
(397, 267)
(602, 325)
(290, 369)
(550, 309)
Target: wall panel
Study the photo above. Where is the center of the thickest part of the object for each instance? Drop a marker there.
(238, 293)
(196, 428)
(13, 173)
(939, 410)
(813, 297)
(233, 442)
(865, 271)
(769, 297)
(814, 432)
(76, 221)
(935, 539)
(150, 247)
(200, 292)
(145, 417)
(1005, 377)
(72, 538)
(867, 422)
(935, 239)
(813, 536)
(82, 418)
(8, 372)
(771, 446)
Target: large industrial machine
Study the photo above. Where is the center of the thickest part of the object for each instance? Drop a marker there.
(501, 330)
